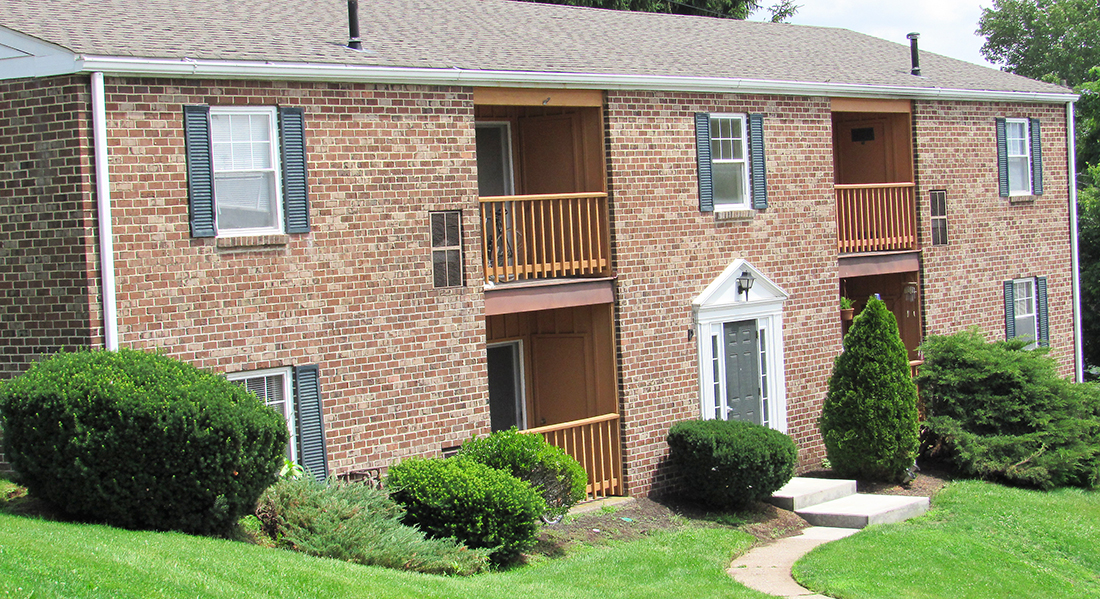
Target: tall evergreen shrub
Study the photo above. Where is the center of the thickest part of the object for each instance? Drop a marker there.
(998, 411)
(869, 420)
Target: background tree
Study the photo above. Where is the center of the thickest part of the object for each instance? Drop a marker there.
(1056, 41)
(733, 9)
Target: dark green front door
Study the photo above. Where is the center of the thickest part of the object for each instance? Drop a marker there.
(742, 372)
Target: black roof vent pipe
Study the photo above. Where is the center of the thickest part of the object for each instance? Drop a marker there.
(353, 25)
(913, 37)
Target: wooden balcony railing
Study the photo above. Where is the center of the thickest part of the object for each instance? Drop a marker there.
(876, 218)
(545, 236)
(594, 442)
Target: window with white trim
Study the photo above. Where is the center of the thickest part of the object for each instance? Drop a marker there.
(272, 386)
(1018, 142)
(1024, 312)
(938, 211)
(246, 180)
(729, 161)
(1019, 156)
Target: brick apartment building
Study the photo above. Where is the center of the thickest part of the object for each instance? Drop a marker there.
(498, 213)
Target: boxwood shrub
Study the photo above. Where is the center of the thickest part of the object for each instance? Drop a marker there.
(140, 440)
(463, 499)
(729, 464)
(556, 475)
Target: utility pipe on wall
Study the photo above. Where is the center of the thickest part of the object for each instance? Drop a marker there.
(1078, 350)
(103, 211)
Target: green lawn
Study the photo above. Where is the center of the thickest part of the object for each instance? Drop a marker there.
(980, 540)
(39, 558)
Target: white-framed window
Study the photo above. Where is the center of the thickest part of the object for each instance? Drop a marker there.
(247, 184)
(273, 387)
(1025, 313)
(1018, 144)
(729, 155)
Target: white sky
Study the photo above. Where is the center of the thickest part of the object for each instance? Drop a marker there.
(945, 26)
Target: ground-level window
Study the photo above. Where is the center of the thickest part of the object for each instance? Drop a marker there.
(1026, 310)
(273, 387)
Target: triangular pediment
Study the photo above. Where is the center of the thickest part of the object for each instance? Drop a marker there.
(723, 291)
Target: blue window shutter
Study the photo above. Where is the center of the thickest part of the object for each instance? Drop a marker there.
(292, 137)
(702, 151)
(1036, 159)
(200, 169)
(1010, 310)
(1002, 157)
(311, 421)
(759, 167)
(1041, 310)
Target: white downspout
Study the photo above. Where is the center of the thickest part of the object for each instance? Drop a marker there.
(103, 208)
(1078, 351)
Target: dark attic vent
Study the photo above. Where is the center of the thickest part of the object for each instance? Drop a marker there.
(913, 37)
(353, 25)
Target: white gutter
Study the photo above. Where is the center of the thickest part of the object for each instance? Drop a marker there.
(1078, 350)
(187, 67)
(103, 208)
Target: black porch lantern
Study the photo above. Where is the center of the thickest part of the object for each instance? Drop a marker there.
(744, 283)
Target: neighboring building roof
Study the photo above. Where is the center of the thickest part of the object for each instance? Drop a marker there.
(492, 35)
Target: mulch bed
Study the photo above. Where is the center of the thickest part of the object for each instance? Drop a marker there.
(644, 516)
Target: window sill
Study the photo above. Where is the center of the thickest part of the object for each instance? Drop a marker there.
(1021, 199)
(725, 216)
(251, 241)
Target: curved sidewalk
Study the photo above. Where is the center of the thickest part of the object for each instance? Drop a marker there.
(767, 568)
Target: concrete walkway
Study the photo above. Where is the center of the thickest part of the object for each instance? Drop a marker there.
(767, 568)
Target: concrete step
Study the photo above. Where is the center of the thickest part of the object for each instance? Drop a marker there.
(859, 511)
(802, 492)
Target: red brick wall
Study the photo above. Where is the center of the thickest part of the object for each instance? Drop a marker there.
(991, 239)
(401, 362)
(667, 251)
(48, 230)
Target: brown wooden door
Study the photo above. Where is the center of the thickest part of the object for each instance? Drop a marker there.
(548, 153)
(560, 378)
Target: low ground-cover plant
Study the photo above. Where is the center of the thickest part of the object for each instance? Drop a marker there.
(357, 523)
(729, 464)
(140, 440)
(480, 506)
(869, 418)
(1001, 412)
(553, 473)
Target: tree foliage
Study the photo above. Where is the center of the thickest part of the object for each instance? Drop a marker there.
(869, 419)
(734, 9)
(1052, 40)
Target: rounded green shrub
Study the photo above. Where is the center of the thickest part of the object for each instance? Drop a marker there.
(869, 419)
(357, 523)
(729, 464)
(463, 499)
(140, 440)
(556, 475)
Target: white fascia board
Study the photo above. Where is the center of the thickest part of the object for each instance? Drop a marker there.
(187, 67)
(37, 59)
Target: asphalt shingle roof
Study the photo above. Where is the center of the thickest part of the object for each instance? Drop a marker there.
(492, 35)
